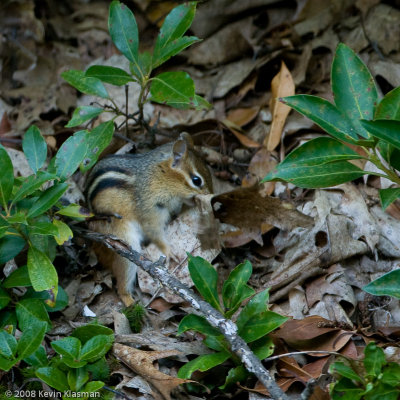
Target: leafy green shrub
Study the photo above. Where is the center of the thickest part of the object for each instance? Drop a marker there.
(357, 119)
(254, 321)
(372, 379)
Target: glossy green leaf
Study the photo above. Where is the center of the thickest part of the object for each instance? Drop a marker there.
(4, 298)
(205, 278)
(96, 347)
(346, 389)
(383, 392)
(324, 114)
(47, 199)
(31, 338)
(8, 345)
(38, 358)
(374, 359)
(385, 130)
(198, 324)
(217, 343)
(235, 375)
(234, 288)
(54, 377)
(93, 386)
(203, 363)
(202, 103)
(263, 347)
(75, 211)
(77, 378)
(97, 140)
(32, 183)
(113, 75)
(144, 66)
(99, 370)
(61, 301)
(84, 84)
(172, 48)
(10, 246)
(5, 364)
(17, 218)
(35, 148)
(386, 285)
(71, 153)
(42, 228)
(31, 311)
(42, 273)
(19, 277)
(391, 374)
(389, 153)
(389, 106)
(260, 325)
(83, 114)
(123, 31)
(318, 163)
(257, 305)
(353, 87)
(8, 319)
(86, 332)
(73, 363)
(68, 346)
(344, 370)
(388, 196)
(175, 88)
(6, 177)
(64, 232)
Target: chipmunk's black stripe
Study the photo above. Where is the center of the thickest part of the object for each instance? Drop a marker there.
(102, 171)
(106, 184)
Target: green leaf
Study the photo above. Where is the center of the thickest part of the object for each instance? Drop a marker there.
(47, 199)
(77, 378)
(30, 312)
(374, 359)
(10, 246)
(72, 363)
(391, 374)
(385, 130)
(84, 84)
(31, 338)
(4, 297)
(35, 148)
(75, 211)
(202, 103)
(8, 345)
(324, 114)
(96, 347)
(86, 332)
(344, 370)
(98, 370)
(93, 386)
(64, 232)
(172, 48)
(389, 107)
(38, 358)
(353, 87)
(6, 365)
(6, 177)
(388, 196)
(263, 347)
(260, 325)
(386, 285)
(113, 75)
(198, 324)
(257, 305)
(234, 288)
(32, 183)
(61, 301)
(205, 278)
(235, 376)
(83, 114)
(42, 228)
(176, 23)
(53, 377)
(68, 347)
(175, 88)
(383, 392)
(390, 154)
(71, 154)
(144, 66)
(97, 140)
(42, 273)
(346, 389)
(203, 363)
(19, 277)
(318, 163)
(123, 31)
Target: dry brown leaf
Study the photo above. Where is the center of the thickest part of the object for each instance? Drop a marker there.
(282, 85)
(141, 362)
(243, 139)
(242, 116)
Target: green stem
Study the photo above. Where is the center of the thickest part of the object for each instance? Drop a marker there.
(390, 174)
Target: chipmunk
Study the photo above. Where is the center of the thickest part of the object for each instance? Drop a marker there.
(141, 193)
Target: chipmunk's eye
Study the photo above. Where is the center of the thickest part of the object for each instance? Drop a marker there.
(196, 180)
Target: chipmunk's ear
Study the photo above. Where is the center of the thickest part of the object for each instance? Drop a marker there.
(188, 139)
(179, 152)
